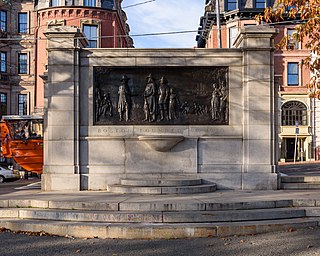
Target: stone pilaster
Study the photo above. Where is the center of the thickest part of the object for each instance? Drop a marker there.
(61, 134)
(259, 103)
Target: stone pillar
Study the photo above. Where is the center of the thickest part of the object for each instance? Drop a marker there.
(61, 128)
(259, 103)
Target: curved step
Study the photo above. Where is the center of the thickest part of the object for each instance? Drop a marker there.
(167, 182)
(150, 203)
(155, 217)
(155, 231)
(206, 188)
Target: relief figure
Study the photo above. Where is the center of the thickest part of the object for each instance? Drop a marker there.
(223, 104)
(150, 101)
(163, 101)
(124, 99)
(106, 105)
(103, 104)
(215, 102)
(173, 104)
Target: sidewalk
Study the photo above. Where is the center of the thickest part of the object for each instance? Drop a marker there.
(220, 196)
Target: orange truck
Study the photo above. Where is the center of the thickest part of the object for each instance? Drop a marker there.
(22, 140)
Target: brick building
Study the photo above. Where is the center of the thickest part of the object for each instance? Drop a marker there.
(295, 108)
(23, 45)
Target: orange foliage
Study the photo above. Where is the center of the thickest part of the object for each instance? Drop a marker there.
(306, 15)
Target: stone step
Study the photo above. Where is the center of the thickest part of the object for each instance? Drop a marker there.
(191, 205)
(300, 179)
(163, 203)
(177, 182)
(312, 211)
(155, 231)
(300, 186)
(122, 189)
(232, 215)
(153, 217)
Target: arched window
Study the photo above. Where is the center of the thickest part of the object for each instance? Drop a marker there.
(292, 112)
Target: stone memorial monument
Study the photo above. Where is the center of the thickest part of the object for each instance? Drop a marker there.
(113, 114)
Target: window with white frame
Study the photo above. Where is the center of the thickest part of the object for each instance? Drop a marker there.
(293, 113)
(233, 32)
(91, 3)
(293, 73)
(3, 21)
(22, 104)
(3, 62)
(23, 63)
(91, 33)
(23, 22)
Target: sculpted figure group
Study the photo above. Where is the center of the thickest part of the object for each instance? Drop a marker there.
(161, 102)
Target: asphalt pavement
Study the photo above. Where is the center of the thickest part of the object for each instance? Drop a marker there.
(22, 184)
(289, 243)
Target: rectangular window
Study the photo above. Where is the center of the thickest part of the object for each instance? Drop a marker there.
(22, 104)
(55, 3)
(23, 22)
(3, 104)
(291, 117)
(260, 4)
(231, 5)
(23, 63)
(3, 60)
(69, 2)
(292, 44)
(91, 3)
(233, 32)
(91, 32)
(293, 73)
(3, 21)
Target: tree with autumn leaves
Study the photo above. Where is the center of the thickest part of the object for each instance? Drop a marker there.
(306, 16)
(5, 2)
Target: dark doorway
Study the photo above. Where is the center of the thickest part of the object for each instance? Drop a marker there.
(290, 144)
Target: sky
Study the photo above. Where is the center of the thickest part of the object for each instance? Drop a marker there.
(164, 16)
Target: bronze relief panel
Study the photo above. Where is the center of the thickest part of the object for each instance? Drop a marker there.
(161, 95)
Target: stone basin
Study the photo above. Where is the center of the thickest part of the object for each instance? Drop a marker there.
(161, 143)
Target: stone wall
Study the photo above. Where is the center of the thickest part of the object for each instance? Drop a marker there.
(81, 154)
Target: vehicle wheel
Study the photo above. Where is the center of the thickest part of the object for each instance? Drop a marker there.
(1, 179)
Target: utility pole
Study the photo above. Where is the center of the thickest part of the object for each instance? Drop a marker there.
(218, 22)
